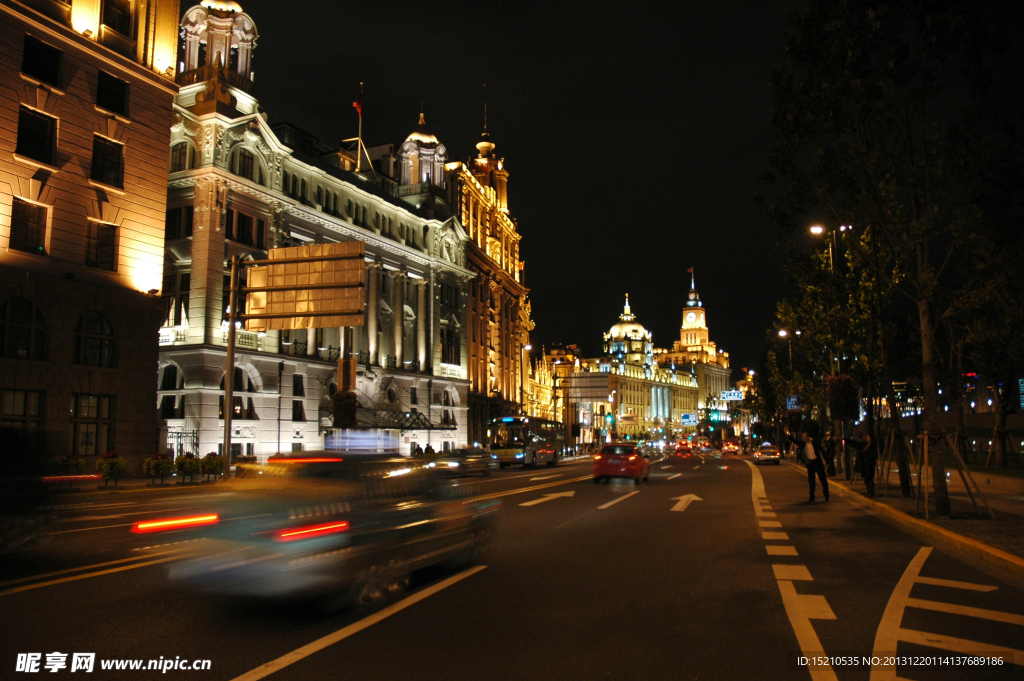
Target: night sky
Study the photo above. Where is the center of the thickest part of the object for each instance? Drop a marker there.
(634, 137)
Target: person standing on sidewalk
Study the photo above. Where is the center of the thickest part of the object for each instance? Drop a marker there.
(809, 451)
(828, 445)
(867, 456)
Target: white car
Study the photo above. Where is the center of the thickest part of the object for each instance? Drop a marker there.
(767, 454)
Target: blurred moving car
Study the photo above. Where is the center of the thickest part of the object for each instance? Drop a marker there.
(462, 462)
(312, 523)
(621, 460)
(683, 449)
(730, 447)
(767, 453)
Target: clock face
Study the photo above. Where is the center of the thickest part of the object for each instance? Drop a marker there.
(691, 317)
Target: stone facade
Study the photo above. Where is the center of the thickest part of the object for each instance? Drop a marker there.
(83, 158)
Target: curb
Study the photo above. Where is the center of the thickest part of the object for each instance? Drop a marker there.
(971, 547)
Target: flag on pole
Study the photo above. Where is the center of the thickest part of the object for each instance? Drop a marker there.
(358, 104)
(690, 270)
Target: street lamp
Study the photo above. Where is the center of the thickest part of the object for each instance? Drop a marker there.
(522, 378)
(785, 334)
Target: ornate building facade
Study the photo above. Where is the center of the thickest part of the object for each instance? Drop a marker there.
(499, 311)
(696, 352)
(86, 90)
(239, 186)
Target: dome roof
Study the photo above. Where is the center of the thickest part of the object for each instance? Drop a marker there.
(628, 327)
(421, 135)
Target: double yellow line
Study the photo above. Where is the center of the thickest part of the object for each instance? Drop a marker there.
(169, 555)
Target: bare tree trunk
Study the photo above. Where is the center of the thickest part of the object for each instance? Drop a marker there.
(958, 424)
(930, 393)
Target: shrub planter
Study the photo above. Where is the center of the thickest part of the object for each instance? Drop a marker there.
(112, 467)
(211, 464)
(66, 467)
(188, 465)
(158, 466)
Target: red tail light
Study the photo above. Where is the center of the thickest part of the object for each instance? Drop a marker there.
(311, 531)
(597, 457)
(317, 459)
(144, 526)
(632, 457)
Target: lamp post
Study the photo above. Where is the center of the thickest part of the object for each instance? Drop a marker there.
(522, 377)
(789, 341)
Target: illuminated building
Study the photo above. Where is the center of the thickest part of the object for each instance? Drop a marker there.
(86, 90)
(694, 351)
(239, 186)
(499, 311)
(625, 395)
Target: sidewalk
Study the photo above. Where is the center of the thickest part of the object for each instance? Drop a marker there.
(999, 541)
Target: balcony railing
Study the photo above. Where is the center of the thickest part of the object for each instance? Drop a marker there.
(210, 71)
(169, 335)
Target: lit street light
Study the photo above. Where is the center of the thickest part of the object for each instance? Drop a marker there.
(522, 378)
(785, 334)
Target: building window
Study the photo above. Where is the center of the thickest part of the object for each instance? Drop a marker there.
(298, 386)
(449, 296)
(94, 342)
(28, 227)
(296, 446)
(117, 14)
(92, 424)
(101, 248)
(112, 94)
(21, 410)
(244, 409)
(182, 157)
(37, 135)
(245, 163)
(41, 61)
(450, 346)
(261, 231)
(176, 306)
(22, 330)
(106, 161)
(169, 380)
(298, 413)
(243, 229)
(179, 223)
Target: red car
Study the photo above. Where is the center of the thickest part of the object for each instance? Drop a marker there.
(683, 449)
(621, 461)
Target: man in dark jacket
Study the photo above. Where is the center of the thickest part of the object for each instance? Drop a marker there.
(866, 458)
(809, 451)
(828, 445)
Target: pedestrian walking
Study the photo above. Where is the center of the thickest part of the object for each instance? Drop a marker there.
(810, 452)
(867, 457)
(418, 452)
(828, 445)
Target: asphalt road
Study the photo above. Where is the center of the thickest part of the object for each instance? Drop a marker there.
(584, 581)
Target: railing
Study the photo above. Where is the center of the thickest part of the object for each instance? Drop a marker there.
(390, 362)
(209, 71)
(172, 334)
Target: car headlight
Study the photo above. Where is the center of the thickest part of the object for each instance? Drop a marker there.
(453, 464)
(494, 456)
(519, 456)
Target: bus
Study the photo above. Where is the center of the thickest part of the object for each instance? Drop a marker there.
(526, 440)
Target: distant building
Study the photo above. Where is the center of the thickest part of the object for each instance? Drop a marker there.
(86, 90)
(696, 353)
(239, 186)
(499, 311)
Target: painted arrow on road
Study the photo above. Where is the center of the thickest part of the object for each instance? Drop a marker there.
(547, 497)
(684, 501)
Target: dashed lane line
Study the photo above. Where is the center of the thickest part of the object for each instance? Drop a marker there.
(781, 550)
(771, 536)
(87, 567)
(305, 651)
(769, 523)
(29, 587)
(792, 573)
(615, 501)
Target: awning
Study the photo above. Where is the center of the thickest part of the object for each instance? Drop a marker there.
(367, 419)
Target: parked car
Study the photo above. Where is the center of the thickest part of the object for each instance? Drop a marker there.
(767, 453)
(315, 523)
(462, 462)
(621, 460)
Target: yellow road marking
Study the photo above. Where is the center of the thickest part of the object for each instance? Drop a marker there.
(88, 567)
(521, 490)
(952, 583)
(29, 587)
(980, 613)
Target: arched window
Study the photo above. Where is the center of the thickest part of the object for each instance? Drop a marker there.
(22, 330)
(94, 342)
(182, 157)
(320, 195)
(245, 164)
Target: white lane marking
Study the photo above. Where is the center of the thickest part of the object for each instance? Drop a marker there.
(801, 609)
(696, 467)
(967, 611)
(774, 535)
(73, 578)
(953, 584)
(792, 573)
(547, 497)
(522, 490)
(684, 501)
(546, 477)
(673, 477)
(769, 523)
(615, 501)
(121, 515)
(781, 550)
(305, 651)
(89, 567)
(665, 468)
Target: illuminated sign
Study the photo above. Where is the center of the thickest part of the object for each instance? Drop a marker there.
(688, 419)
(731, 395)
(793, 403)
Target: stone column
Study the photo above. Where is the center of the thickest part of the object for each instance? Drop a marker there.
(311, 342)
(398, 323)
(372, 275)
(421, 324)
(206, 290)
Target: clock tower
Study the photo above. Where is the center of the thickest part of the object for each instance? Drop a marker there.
(694, 331)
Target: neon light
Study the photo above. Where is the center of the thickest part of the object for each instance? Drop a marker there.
(507, 419)
(312, 531)
(144, 526)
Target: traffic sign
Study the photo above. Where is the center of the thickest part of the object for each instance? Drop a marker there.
(731, 395)
(793, 403)
(689, 419)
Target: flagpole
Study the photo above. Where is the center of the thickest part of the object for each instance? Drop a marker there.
(359, 143)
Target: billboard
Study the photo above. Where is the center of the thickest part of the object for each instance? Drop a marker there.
(589, 387)
(315, 286)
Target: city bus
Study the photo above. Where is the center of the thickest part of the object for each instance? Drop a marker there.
(526, 440)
